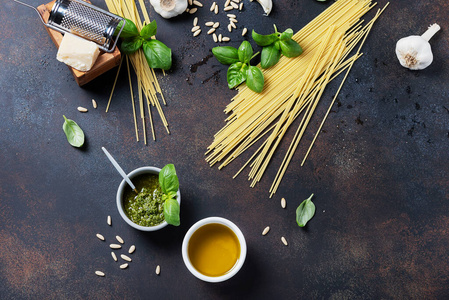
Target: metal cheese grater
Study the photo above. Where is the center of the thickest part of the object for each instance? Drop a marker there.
(84, 20)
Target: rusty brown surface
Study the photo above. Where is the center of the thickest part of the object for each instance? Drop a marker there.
(379, 172)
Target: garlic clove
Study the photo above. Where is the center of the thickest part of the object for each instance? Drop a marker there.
(267, 5)
(169, 8)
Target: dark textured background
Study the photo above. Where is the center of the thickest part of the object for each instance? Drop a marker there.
(379, 171)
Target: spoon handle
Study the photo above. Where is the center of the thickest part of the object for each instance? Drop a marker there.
(119, 169)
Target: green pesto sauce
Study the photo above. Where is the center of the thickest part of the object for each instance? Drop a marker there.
(147, 208)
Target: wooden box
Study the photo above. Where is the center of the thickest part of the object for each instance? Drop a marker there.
(104, 62)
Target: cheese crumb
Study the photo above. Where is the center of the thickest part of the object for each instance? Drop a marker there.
(77, 52)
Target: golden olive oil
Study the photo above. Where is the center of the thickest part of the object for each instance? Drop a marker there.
(213, 249)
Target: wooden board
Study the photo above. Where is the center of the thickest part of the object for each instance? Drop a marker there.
(104, 63)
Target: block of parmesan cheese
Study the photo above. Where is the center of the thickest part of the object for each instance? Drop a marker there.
(77, 52)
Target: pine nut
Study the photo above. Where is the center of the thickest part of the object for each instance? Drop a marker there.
(232, 20)
(195, 28)
(158, 270)
(229, 28)
(244, 31)
(241, 6)
(231, 16)
(196, 33)
(99, 273)
(225, 39)
(193, 10)
(109, 220)
(216, 9)
(284, 241)
(209, 24)
(190, 2)
(212, 30)
(124, 257)
(212, 7)
(233, 25)
(94, 103)
(82, 109)
(236, 1)
(114, 257)
(220, 36)
(227, 3)
(124, 266)
(119, 239)
(115, 246)
(214, 36)
(265, 231)
(195, 21)
(100, 237)
(132, 249)
(235, 6)
(197, 3)
(216, 24)
(228, 8)
(283, 203)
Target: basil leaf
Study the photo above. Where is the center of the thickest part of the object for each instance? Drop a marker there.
(131, 45)
(149, 30)
(286, 35)
(264, 40)
(130, 29)
(290, 48)
(74, 134)
(158, 55)
(245, 52)
(270, 56)
(236, 74)
(226, 55)
(305, 212)
(171, 212)
(254, 79)
(168, 179)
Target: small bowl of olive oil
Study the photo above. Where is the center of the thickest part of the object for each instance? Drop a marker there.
(143, 211)
(214, 249)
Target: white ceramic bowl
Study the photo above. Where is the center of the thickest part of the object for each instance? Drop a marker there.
(214, 220)
(121, 188)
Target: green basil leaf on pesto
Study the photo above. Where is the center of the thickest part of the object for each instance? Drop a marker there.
(168, 179)
(74, 133)
(171, 212)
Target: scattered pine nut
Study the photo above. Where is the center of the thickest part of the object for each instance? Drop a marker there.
(195, 21)
(236, 1)
(115, 246)
(100, 237)
(241, 6)
(94, 103)
(195, 28)
(124, 266)
(233, 25)
(229, 28)
(244, 31)
(225, 39)
(214, 36)
(109, 221)
(227, 3)
(198, 3)
(216, 25)
(82, 109)
(212, 7)
(283, 203)
(124, 257)
(220, 37)
(233, 20)
(212, 30)
(209, 24)
(284, 241)
(235, 6)
(99, 273)
(265, 231)
(193, 10)
(190, 2)
(132, 249)
(158, 270)
(216, 9)
(119, 239)
(187, 10)
(114, 257)
(231, 16)
(228, 8)
(196, 33)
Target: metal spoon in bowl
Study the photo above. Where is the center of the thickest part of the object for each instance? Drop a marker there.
(119, 169)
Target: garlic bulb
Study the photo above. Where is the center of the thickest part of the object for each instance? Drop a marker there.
(169, 8)
(414, 52)
(267, 5)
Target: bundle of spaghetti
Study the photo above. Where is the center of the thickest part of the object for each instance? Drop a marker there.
(294, 86)
(148, 85)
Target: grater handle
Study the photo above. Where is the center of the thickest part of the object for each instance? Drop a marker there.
(30, 6)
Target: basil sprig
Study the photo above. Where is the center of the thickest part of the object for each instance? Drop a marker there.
(168, 180)
(157, 54)
(305, 212)
(74, 133)
(240, 69)
(276, 44)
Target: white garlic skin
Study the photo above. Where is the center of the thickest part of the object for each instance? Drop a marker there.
(169, 8)
(414, 52)
(267, 5)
